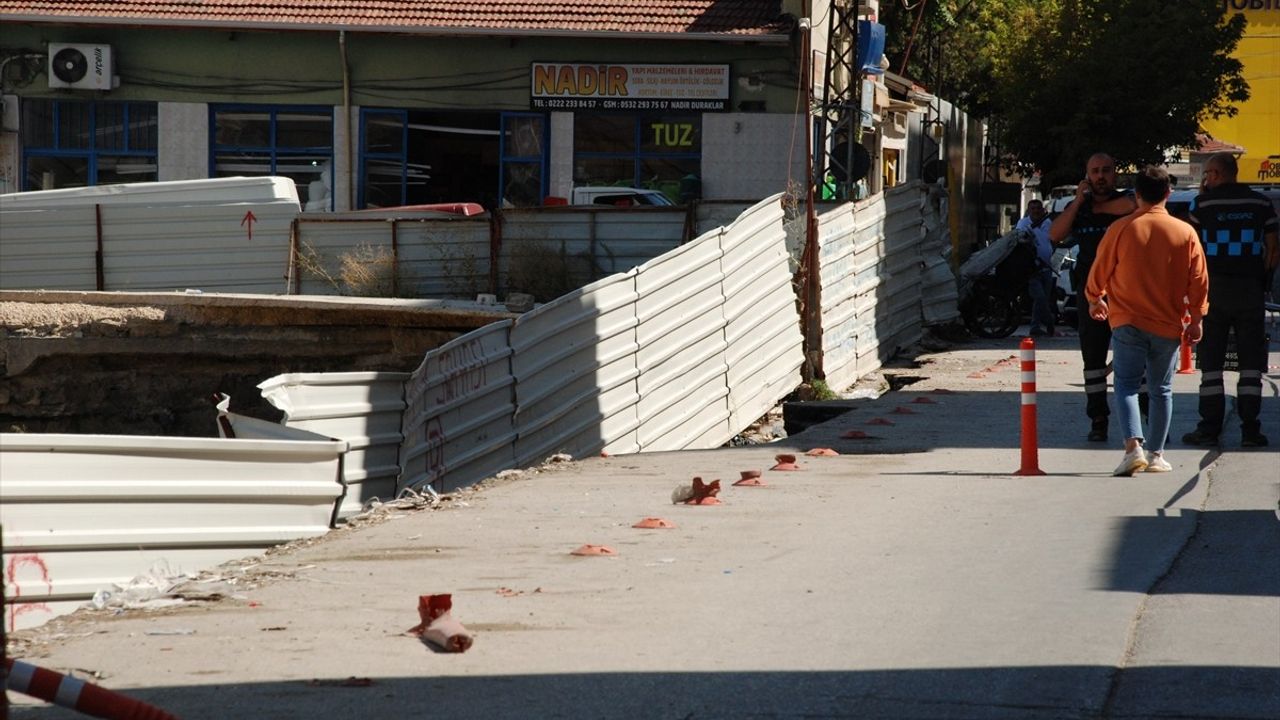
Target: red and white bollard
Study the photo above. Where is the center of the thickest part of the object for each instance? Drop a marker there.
(1030, 442)
(86, 698)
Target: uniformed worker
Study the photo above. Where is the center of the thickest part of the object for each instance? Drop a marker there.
(1097, 204)
(1238, 229)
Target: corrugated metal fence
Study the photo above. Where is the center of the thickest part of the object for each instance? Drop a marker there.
(680, 352)
(872, 261)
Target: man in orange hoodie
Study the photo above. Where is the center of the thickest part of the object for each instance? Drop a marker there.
(1149, 264)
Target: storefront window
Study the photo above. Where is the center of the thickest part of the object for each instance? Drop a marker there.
(68, 143)
(293, 142)
(412, 157)
(658, 152)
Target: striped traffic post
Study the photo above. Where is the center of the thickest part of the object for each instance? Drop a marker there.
(1030, 448)
(76, 694)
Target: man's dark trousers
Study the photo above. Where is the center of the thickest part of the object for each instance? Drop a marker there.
(1234, 302)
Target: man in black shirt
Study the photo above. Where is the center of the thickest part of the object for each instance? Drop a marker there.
(1097, 204)
(1238, 229)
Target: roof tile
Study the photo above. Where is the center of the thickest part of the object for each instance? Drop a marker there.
(735, 18)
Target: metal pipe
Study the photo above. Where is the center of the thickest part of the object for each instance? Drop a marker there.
(98, 255)
(346, 120)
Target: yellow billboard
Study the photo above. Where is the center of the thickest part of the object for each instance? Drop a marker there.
(1256, 127)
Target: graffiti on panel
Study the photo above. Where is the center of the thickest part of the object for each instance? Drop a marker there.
(15, 578)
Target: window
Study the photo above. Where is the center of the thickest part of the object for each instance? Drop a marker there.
(524, 167)
(290, 141)
(658, 152)
(68, 143)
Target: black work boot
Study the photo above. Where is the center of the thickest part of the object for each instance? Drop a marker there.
(1200, 438)
(1253, 439)
(1098, 433)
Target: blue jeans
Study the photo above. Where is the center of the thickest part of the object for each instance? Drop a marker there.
(1134, 351)
(1040, 289)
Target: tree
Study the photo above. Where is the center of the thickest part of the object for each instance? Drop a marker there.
(1061, 79)
(1134, 78)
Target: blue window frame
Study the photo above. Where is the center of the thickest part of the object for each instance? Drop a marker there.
(384, 158)
(75, 143)
(660, 152)
(523, 149)
(416, 157)
(293, 141)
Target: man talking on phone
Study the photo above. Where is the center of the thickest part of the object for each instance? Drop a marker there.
(1097, 204)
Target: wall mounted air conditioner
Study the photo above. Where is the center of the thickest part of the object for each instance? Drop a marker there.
(81, 66)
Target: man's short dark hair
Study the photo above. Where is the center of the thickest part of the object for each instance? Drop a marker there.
(1152, 183)
(1226, 164)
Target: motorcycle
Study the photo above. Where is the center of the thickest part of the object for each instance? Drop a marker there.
(993, 286)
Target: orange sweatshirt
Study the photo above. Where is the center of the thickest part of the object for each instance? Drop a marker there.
(1147, 263)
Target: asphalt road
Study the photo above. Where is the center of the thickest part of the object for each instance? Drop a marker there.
(912, 576)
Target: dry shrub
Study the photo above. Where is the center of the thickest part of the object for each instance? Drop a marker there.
(365, 271)
(545, 272)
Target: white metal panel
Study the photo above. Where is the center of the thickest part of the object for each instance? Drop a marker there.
(940, 295)
(575, 370)
(764, 344)
(210, 191)
(436, 257)
(459, 424)
(681, 352)
(365, 409)
(82, 512)
(48, 250)
(594, 242)
(837, 267)
(209, 247)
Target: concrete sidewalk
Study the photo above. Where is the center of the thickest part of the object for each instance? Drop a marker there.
(913, 576)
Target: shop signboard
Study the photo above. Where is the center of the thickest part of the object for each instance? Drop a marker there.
(606, 86)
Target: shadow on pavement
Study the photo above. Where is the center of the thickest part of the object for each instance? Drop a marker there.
(1215, 561)
(1022, 693)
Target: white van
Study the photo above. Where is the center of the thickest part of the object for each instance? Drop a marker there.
(618, 196)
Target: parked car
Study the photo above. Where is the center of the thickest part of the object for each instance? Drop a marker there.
(618, 196)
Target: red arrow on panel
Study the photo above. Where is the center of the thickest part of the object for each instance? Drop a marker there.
(250, 219)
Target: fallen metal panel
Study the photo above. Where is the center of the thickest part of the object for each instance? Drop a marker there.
(82, 512)
(364, 409)
(435, 257)
(208, 191)
(47, 250)
(765, 347)
(575, 367)
(458, 425)
(681, 348)
(940, 294)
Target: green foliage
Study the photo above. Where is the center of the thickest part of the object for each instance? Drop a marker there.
(1133, 78)
(1061, 79)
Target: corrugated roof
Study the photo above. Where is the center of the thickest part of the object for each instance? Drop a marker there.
(734, 19)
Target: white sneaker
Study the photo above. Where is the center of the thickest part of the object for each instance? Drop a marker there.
(1157, 463)
(1135, 461)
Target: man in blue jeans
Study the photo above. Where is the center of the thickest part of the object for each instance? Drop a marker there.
(1148, 265)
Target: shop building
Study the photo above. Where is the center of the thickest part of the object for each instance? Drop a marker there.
(405, 103)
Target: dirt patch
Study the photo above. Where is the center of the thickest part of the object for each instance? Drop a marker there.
(104, 365)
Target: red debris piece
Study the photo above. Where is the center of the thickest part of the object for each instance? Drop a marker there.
(822, 452)
(855, 435)
(654, 523)
(977, 375)
(943, 391)
(704, 493)
(438, 627)
(902, 410)
(590, 550)
(509, 592)
(786, 462)
(750, 478)
(880, 421)
(924, 400)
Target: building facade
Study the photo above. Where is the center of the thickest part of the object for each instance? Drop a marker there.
(407, 103)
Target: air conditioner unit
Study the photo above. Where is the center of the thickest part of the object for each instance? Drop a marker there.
(81, 66)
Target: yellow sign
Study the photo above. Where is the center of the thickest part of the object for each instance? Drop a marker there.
(1256, 127)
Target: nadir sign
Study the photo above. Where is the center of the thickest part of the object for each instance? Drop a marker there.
(247, 222)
